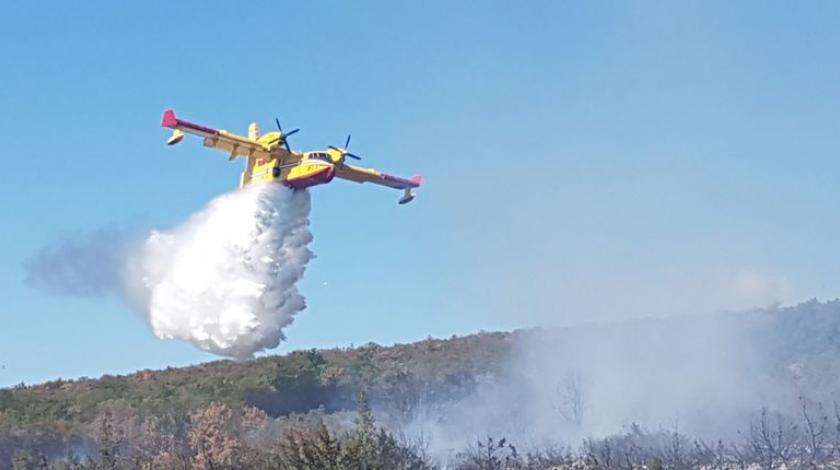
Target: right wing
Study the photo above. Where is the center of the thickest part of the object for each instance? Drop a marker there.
(233, 144)
(369, 175)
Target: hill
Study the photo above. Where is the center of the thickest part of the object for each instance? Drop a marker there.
(295, 383)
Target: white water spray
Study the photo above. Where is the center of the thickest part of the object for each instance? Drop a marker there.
(225, 280)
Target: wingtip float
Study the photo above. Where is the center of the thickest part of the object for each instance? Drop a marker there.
(270, 159)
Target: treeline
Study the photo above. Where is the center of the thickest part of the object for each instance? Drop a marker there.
(160, 414)
(221, 437)
(279, 385)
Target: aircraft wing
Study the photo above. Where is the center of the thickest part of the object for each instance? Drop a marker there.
(369, 175)
(233, 144)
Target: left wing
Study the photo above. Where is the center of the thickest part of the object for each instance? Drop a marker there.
(233, 144)
(369, 175)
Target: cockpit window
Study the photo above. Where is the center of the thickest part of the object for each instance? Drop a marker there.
(321, 156)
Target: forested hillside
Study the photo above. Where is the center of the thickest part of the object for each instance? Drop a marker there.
(397, 406)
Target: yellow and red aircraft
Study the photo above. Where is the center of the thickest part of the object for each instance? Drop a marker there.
(269, 158)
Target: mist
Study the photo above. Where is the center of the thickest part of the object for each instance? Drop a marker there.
(86, 265)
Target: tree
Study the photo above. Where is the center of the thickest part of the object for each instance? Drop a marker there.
(489, 455)
(213, 438)
(110, 440)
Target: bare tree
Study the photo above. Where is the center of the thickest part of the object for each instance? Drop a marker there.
(771, 446)
(815, 433)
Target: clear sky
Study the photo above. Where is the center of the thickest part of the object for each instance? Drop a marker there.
(583, 161)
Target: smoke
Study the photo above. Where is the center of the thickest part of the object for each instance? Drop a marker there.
(705, 375)
(225, 280)
(751, 287)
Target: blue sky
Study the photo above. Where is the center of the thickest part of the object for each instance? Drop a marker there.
(583, 161)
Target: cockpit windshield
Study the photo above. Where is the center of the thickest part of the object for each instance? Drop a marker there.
(320, 156)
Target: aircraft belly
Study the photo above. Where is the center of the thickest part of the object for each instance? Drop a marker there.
(304, 176)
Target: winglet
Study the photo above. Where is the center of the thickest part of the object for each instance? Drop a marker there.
(169, 119)
(408, 196)
(417, 180)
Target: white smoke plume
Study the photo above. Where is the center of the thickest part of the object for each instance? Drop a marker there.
(225, 280)
(706, 376)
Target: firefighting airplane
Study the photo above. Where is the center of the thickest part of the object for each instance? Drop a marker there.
(269, 158)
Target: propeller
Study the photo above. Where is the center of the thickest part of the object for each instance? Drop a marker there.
(344, 151)
(285, 135)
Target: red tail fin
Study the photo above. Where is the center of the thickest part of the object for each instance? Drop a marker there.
(169, 119)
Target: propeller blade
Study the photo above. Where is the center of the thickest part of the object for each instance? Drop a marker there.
(284, 135)
(344, 152)
(347, 143)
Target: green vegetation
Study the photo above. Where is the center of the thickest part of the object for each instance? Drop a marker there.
(326, 381)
